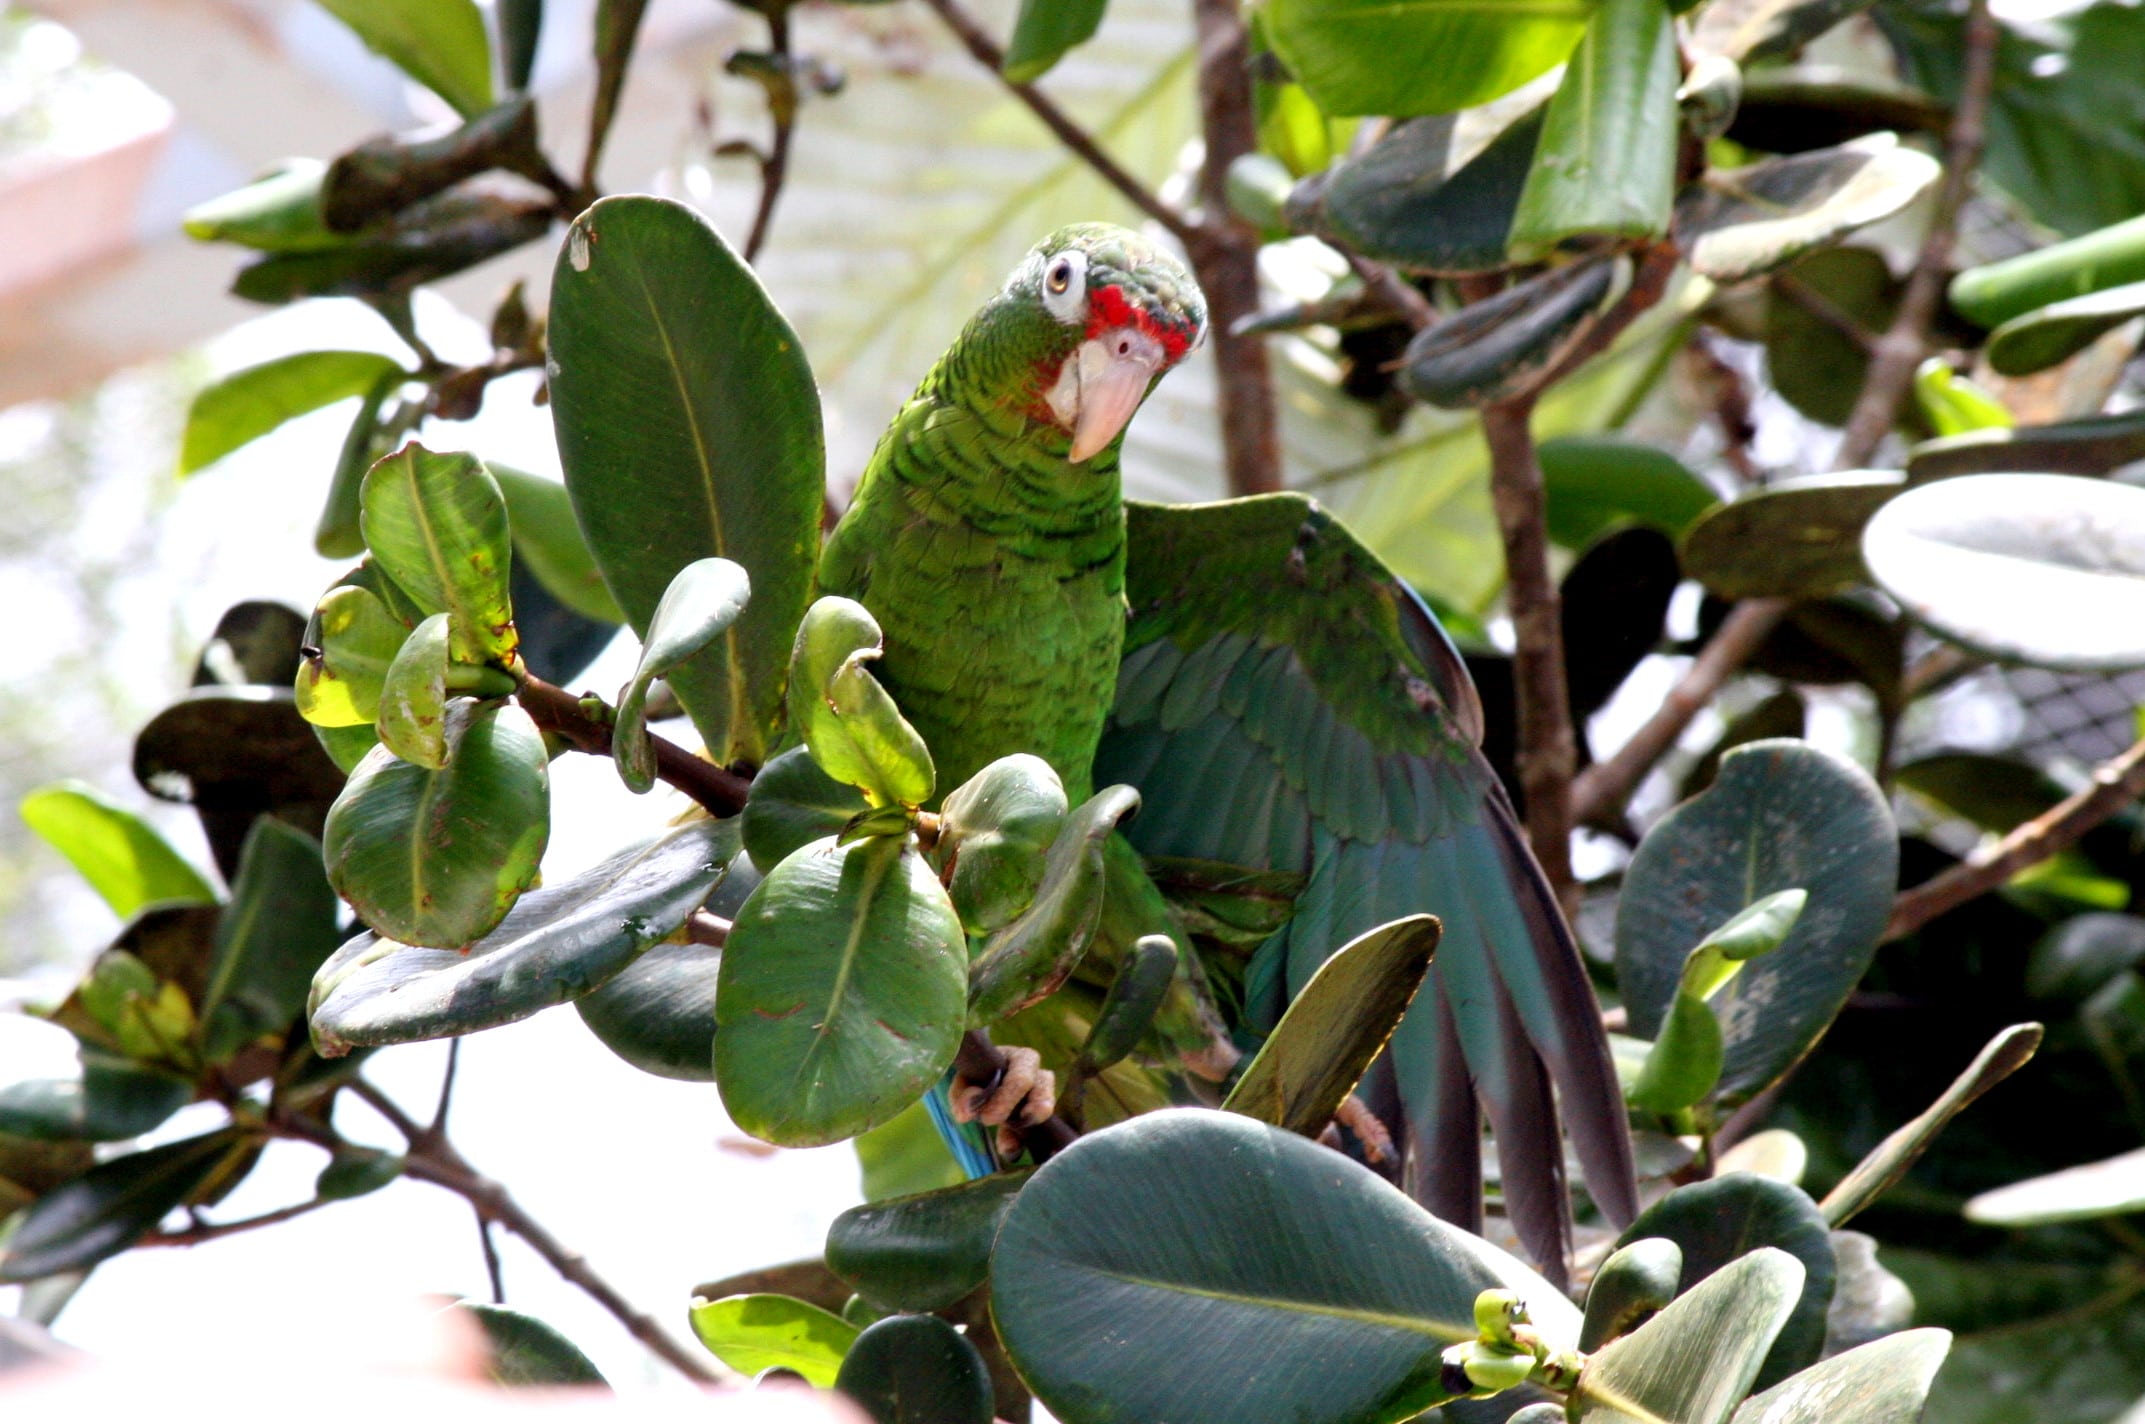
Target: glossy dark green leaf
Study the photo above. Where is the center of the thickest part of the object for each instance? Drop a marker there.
(1335, 1027)
(279, 926)
(922, 1252)
(524, 1350)
(916, 1369)
(2038, 569)
(751, 1333)
(1814, 363)
(1419, 56)
(2092, 446)
(1606, 163)
(1952, 404)
(1027, 960)
(1596, 482)
(245, 405)
(111, 1206)
(521, 26)
(439, 857)
(1796, 538)
(1883, 1382)
(438, 526)
(233, 754)
(1128, 1009)
(427, 241)
(117, 852)
(548, 542)
(1717, 1222)
(794, 803)
(1637, 1281)
(1831, 641)
(689, 426)
(1692, 1363)
(2110, 260)
(412, 719)
(703, 600)
(1044, 31)
(1502, 346)
(357, 640)
(1406, 203)
(1782, 815)
(1781, 715)
(848, 721)
(111, 1101)
(1739, 223)
(841, 994)
(336, 534)
(384, 175)
(357, 1171)
(2055, 333)
(1889, 1160)
(995, 830)
(556, 944)
(439, 43)
(1801, 108)
(277, 212)
(1163, 1269)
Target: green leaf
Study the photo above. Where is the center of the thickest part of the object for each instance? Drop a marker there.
(357, 1171)
(1796, 538)
(279, 926)
(1782, 815)
(850, 723)
(618, 24)
(1596, 482)
(1954, 405)
(1333, 1029)
(1717, 1222)
(1503, 346)
(439, 857)
(548, 542)
(841, 995)
(1884, 1382)
(1027, 960)
(2039, 569)
(922, 1252)
(413, 696)
(1683, 1066)
(245, 405)
(1889, 1160)
(336, 534)
(1999, 293)
(2055, 333)
(1128, 1255)
(703, 600)
(277, 212)
(2083, 1362)
(2093, 446)
(2112, 1187)
(916, 1369)
(689, 426)
(1637, 1281)
(117, 852)
(1128, 1009)
(1044, 31)
(751, 1333)
(794, 803)
(1692, 1363)
(111, 1101)
(995, 830)
(357, 640)
(1408, 203)
(1817, 366)
(906, 1156)
(521, 26)
(1403, 57)
(1606, 163)
(1739, 223)
(438, 43)
(438, 526)
(111, 1206)
(556, 943)
(525, 1350)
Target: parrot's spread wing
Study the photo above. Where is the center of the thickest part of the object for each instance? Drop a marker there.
(1285, 703)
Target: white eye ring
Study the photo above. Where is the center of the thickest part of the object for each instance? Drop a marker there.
(1065, 287)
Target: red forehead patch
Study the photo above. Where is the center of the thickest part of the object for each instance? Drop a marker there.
(1107, 307)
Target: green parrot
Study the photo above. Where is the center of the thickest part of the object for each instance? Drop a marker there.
(1280, 700)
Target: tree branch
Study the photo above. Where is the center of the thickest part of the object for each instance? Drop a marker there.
(555, 710)
(1547, 748)
(212, 1230)
(2116, 783)
(1906, 341)
(782, 109)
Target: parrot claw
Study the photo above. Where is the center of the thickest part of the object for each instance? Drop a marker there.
(1355, 1115)
(1025, 1095)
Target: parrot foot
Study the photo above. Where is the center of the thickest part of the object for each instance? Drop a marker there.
(1026, 1094)
(1355, 1115)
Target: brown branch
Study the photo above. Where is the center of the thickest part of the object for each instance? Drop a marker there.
(1906, 341)
(782, 109)
(1395, 291)
(991, 56)
(1547, 747)
(2115, 785)
(704, 928)
(557, 711)
(212, 1230)
(1600, 791)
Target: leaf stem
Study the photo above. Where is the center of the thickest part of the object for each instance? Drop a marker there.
(774, 168)
(719, 789)
(213, 1230)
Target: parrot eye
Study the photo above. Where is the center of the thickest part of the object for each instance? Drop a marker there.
(1065, 287)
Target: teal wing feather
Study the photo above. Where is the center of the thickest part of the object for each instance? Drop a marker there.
(1285, 703)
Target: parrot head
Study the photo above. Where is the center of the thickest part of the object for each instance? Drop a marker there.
(1097, 314)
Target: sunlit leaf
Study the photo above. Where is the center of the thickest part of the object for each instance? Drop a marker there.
(1419, 56)
(246, 405)
(438, 526)
(117, 852)
(439, 43)
(751, 1333)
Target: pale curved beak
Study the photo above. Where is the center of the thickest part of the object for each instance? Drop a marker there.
(1101, 384)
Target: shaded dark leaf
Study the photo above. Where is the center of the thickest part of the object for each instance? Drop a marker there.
(916, 1369)
(112, 1205)
(525, 1350)
(922, 1252)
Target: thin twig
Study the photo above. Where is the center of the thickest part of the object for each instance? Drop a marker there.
(1601, 790)
(1906, 341)
(988, 53)
(2116, 784)
(1398, 294)
(1547, 747)
(446, 1088)
(559, 712)
(212, 1230)
(492, 1269)
(774, 169)
(704, 928)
